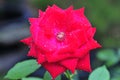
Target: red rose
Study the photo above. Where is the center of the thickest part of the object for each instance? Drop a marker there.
(61, 40)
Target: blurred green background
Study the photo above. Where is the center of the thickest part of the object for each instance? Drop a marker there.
(103, 14)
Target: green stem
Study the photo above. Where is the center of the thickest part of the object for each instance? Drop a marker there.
(67, 73)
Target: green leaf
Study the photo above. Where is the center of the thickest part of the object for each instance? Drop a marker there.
(58, 78)
(47, 76)
(108, 56)
(100, 73)
(22, 69)
(32, 78)
(115, 78)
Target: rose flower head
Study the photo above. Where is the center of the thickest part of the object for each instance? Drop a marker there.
(61, 40)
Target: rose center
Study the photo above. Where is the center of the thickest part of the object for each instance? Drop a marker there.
(60, 36)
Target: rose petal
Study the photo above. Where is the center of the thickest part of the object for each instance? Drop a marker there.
(84, 63)
(81, 18)
(91, 44)
(34, 21)
(69, 9)
(41, 13)
(70, 64)
(91, 32)
(80, 36)
(54, 57)
(54, 69)
(80, 11)
(32, 51)
(41, 58)
(56, 7)
(27, 41)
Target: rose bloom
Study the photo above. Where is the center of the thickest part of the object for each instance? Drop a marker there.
(61, 40)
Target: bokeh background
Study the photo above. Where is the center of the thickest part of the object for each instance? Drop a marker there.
(103, 14)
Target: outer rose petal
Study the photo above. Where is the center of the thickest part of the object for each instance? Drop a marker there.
(54, 69)
(81, 18)
(30, 43)
(93, 44)
(56, 7)
(91, 32)
(90, 45)
(80, 37)
(57, 57)
(70, 64)
(69, 9)
(34, 21)
(41, 58)
(84, 63)
(80, 11)
(32, 51)
(40, 13)
(27, 41)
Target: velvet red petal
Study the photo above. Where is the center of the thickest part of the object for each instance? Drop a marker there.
(41, 58)
(57, 57)
(70, 64)
(79, 16)
(91, 44)
(69, 9)
(27, 41)
(84, 63)
(80, 11)
(80, 36)
(33, 21)
(32, 51)
(54, 69)
(90, 32)
(41, 13)
(56, 7)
